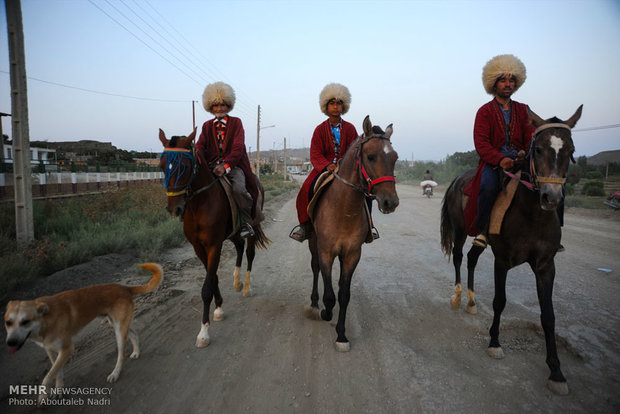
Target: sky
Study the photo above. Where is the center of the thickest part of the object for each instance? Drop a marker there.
(118, 70)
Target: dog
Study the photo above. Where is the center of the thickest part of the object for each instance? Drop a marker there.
(52, 321)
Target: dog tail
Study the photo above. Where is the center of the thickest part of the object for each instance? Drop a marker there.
(153, 283)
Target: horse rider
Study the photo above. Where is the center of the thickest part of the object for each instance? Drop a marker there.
(222, 142)
(427, 176)
(330, 141)
(502, 128)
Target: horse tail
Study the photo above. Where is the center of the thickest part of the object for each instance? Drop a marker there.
(446, 228)
(260, 239)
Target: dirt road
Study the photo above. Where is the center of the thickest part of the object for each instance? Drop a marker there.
(410, 352)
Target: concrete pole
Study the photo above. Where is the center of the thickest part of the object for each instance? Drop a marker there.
(24, 223)
(285, 159)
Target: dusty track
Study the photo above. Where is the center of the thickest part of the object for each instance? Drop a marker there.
(410, 352)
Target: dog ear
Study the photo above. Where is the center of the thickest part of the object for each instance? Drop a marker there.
(42, 308)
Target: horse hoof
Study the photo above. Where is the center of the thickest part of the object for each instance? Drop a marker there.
(495, 352)
(343, 346)
(218, 314)
(312, 313)
(325, 316)
(202, 342)
(247, 293)
(558, 388)
(471, 309)
(455, 301)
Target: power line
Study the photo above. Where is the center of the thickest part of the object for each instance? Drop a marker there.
(103, 93)
(597, 128)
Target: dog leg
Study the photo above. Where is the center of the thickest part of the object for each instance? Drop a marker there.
(62, 358)
(121, 330)
(60, 376)
(135, 342)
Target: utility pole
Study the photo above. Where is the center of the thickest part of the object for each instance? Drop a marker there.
(285, 159)
(258, 143)
(24, 222)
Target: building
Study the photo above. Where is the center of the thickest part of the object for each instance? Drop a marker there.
(37, 155)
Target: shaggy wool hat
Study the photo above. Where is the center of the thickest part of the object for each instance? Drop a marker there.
(218, 93)
(335, 91)
(502, 65)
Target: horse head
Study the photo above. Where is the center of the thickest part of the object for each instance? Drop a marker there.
(551, 151)
(177, 163)
(377, 159)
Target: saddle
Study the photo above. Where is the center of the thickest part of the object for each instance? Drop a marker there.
(502, 202)
(321, 184)
(227, 186)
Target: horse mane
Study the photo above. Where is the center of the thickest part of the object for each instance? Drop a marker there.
(376, 129)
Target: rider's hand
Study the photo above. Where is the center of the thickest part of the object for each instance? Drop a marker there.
(506, 163)
(219, 170)
(331, 168)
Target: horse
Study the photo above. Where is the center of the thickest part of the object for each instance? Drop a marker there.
(197, 198)
(529, 233)
(340, 221)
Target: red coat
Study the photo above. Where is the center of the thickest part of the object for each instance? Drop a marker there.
(233, 153)
(321, 155)
(489, 137)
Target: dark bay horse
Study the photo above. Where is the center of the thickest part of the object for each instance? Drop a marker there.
(530, 232)
(197, 198)
(340, 221)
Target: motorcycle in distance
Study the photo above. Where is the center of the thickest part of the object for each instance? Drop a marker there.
(428, 190)
(427, 187)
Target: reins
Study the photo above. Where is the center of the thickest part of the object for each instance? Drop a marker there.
(362, 170)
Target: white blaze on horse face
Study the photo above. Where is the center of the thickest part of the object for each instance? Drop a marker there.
(556, 144)
(387, 148)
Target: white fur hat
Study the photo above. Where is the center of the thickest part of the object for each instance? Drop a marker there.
(335, 91)
(218, 93)
(502, 65)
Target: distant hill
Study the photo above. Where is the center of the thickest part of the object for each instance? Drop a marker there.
(605, 157)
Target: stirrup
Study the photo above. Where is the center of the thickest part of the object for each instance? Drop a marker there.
(375, 233)
(298, 233)
(480, 241)
(561, 248)
(246, 231)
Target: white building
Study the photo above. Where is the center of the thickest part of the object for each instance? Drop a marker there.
(37, 155)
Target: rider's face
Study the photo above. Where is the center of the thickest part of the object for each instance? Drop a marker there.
(334, 107)
(220, 110)
(505, 86)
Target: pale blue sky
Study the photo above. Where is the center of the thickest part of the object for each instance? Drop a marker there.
(416, 64)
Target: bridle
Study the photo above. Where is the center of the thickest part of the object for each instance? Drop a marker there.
(176, 168)
(362, 170)
(535, 179)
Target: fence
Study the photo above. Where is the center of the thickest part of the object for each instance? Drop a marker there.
(57, 184)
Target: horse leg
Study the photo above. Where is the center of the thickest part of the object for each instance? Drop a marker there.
(347, 267)
(239, 246)
(499, 302)
(210, 289)
(457, 259)
(249, 254)
(472, 260)
(544, 287)
(326, 262)
(313, 311)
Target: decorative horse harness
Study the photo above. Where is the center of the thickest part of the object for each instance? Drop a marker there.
(176, 168)
(362, 170)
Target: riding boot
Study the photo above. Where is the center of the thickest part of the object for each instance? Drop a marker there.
(246, 229)
(301, 232)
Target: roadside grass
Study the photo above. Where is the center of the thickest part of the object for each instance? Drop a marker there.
(74, 230)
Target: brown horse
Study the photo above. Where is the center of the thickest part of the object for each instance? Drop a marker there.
(340, 221)
(530, 232)
(197, 197)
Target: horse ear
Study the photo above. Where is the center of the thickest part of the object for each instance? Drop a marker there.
(367, 126)
(192, 135)
(162, 138)
(573, 119)
(536, 120)
(388, 131)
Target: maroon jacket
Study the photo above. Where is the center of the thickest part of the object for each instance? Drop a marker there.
(233, 153)
(321, 155)
(489, 137)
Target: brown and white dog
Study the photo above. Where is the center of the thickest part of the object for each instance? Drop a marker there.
(52, 321)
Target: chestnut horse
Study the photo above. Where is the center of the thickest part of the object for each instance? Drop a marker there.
(340, 221)
(530, 232)
(197, 197)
